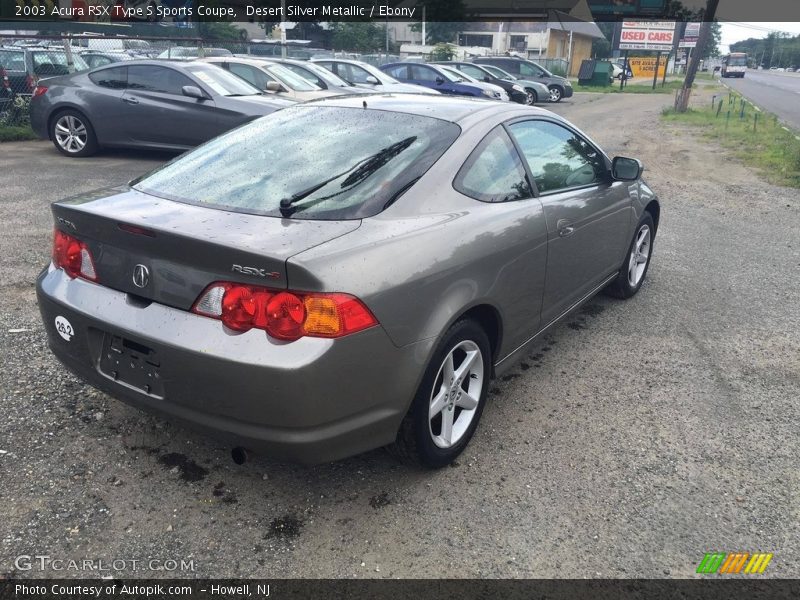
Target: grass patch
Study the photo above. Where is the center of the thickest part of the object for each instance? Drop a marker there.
(755, 137)
(16, 133)
(633, 88)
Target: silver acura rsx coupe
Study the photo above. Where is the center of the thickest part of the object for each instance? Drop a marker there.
(343, 274)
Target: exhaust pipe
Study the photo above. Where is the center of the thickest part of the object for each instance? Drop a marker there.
(240, 455)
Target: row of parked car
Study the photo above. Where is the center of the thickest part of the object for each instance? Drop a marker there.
(116, 100)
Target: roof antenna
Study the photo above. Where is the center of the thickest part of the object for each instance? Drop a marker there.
(364, 104)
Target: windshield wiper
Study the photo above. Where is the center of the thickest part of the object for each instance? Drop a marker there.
(358, 173)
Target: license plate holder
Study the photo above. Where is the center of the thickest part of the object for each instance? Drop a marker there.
(131, 364)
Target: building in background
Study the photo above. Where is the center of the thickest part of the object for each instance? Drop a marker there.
(564, 43)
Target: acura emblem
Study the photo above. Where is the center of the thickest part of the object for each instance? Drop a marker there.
(141, 276)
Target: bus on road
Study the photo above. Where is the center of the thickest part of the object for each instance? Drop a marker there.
(734, 64)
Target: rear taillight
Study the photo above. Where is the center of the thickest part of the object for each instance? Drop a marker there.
(31, 82)
(284, 315)
(73, 256)
(39, 90)
(4, 78)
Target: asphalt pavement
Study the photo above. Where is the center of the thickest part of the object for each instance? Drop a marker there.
(778, 93)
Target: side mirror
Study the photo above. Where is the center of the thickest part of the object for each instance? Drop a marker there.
(274, 86)
(439, 80)
(487, 79)
(372, 80)
(192, 91)
(626, 169)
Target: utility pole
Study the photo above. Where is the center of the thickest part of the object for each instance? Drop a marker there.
(682, 97)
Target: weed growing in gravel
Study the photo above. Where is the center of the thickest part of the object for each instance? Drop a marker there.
(754, 136)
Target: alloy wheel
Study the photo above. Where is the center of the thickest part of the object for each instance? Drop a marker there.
(640, 254)
(530, 98)
(456, 394)
(71, 134)
(555, 94)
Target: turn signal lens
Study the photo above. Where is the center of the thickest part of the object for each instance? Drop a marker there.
(284, 315)
(73, 256)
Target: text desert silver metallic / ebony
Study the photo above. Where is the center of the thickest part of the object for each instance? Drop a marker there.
(414, 246)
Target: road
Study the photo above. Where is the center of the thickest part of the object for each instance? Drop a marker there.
(778, 93)
(639, 436)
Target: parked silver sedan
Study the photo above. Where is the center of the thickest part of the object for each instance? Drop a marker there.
(318, 295)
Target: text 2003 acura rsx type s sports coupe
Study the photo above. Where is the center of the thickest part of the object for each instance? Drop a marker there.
(344, 274)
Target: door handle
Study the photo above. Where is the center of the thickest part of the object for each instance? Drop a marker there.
(130, 100)
(565, 228)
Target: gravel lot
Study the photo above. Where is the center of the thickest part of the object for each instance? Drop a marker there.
(641, 434)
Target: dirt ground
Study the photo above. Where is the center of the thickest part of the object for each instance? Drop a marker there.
(639, 436)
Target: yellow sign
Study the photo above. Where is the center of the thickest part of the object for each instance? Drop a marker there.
(644, 66)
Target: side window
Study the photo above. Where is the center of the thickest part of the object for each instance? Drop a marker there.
(356, 74)
(97, 61)
(254, 76)
(12, 61)
(146, 78)
(398, 71)
(530, 70)
(420, 73)
(307, 75)
(494, 171)
(115, 78)
(557, 157)
(473, 72)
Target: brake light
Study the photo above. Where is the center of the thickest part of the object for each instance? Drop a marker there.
(73, 256)
(39, 90)
(284, 315)
(4, 77)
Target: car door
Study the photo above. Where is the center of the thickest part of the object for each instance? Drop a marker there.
(159, 113)
(107, 112)
(588, 215)
(511, 220)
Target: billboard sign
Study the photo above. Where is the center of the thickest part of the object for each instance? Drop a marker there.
(631, 8)
(647, 35)
(689, 39)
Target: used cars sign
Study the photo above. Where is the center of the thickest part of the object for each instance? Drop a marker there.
(647, 35)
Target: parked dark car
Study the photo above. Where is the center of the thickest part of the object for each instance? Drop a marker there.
(26, 66)
(432, 77)
(101, 59)
(559, 87)
(346, 273)
(144, 103)
(524, 93)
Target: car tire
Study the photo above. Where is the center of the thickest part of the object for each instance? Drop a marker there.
(556, 93)
(439, 423)
(530, 97)
(73, 134)
(637, 260)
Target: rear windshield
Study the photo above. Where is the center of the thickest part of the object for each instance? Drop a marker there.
(325, 163)
(54, 62)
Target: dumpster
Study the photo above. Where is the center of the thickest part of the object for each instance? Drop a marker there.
(595, 72)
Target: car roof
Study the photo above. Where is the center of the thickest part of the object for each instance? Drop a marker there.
(456, 109)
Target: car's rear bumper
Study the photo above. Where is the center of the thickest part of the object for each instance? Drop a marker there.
(309, 401)
(38, 115)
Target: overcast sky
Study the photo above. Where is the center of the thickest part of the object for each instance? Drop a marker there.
(736, 32)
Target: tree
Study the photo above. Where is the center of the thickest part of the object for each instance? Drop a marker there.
(712, 47)
(601, 47)
(364, 37)
(443, 52)
(444, 20)
(707, 18)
